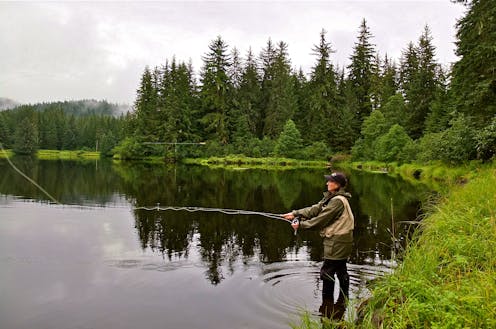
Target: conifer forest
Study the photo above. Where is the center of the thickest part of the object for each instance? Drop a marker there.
(260, 104)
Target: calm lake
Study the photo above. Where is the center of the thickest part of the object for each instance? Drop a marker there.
(96, 261)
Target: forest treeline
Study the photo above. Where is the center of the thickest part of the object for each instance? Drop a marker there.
(376, 108)
(69, 125)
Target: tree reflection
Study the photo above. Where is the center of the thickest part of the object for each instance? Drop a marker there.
(220, 241)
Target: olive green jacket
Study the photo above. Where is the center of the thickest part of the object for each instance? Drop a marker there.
(333, 217)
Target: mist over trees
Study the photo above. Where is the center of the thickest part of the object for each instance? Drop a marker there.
(377, 108)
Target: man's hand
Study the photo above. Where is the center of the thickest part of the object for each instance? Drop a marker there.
(295, 224)
(289, 216)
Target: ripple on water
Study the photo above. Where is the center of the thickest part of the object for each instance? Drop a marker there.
(285, 290)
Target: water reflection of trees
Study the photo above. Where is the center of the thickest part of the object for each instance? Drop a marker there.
(70, 182)
(373, 197)
(221, 241)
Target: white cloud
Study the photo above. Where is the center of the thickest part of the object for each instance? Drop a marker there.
(55, 51)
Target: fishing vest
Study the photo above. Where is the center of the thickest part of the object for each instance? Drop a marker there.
(344, 224)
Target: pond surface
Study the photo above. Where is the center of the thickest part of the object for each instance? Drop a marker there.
(96, 261)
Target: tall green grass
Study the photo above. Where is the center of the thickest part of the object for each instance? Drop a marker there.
(448, 278)
(448, 275)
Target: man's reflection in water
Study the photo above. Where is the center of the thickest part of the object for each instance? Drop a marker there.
(330, 308)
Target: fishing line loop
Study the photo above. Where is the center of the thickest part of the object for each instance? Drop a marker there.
(205, 209)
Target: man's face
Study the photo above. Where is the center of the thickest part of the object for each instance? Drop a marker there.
(332, 186)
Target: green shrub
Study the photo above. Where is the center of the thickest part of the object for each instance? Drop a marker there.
(289, 143)
(389, 147)
(454, 145)
(316, 151)
(486, 141)
(130, 148)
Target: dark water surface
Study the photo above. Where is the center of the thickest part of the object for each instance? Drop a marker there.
(97, 262)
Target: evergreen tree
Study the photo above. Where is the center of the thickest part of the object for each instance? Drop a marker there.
(177, 97)
(345, 133)
(289, 142)
(361, 71)
(302, 91)
(419, 82)
(249, 96)
(71, 135)
(26, 134)
(373, 127)
(439, 116)
(376, 84)
(322, 111)
(474, 76)
(146, 107)
(427, 84)
(280, 96)
(388, 81)
(215, 90)
(4, 133)
(237, 125)
(235, 71)
(394, 110)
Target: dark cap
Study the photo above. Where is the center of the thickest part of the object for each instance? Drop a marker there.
(337, 177)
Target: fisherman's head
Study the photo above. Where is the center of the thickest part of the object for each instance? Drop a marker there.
(335, 181)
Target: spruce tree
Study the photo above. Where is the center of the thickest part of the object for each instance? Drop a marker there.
(322, 112)
(176, 103)
(215, 88)
(389, 80)
(5, 135)
(439, 116)
(146, 108)
(26, 134)
(419, 82)
(474, 76)
(281, 100)
(427, 83)
(289, 142)
(302, 92)
(249, 96)
(361, 71)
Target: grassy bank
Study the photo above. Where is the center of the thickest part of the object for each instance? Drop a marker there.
(447, 278)
(437, 175)
(259, 163)
(67, 155)
(6, 154)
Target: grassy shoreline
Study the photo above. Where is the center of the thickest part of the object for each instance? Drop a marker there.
(241, 162)
(67, 155)
(58, 154)
(6, 154)
(446, 279)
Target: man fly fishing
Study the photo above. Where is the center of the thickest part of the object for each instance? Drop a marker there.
(333, 217)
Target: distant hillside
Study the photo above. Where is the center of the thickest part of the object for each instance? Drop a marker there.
(81, 107)
(7, 103)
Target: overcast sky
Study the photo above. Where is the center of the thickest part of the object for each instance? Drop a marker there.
(92, 50)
